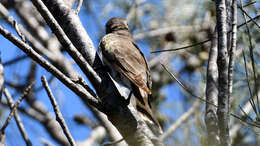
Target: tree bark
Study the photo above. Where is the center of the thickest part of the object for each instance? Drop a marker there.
(222, 62)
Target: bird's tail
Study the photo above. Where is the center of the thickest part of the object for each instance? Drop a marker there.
(144, 109)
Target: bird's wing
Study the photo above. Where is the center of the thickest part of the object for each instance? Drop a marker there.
(126, 57)
(149, 79)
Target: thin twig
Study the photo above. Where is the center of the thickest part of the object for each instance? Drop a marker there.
(78, 6)
(26, 91)
(245, 114)
(250, 3)
(17, 118)
(162, 31)
(252, 61)
(202, 42)
(251, 99)
(255, 18)
(82, 82)
(245, 121)
(58, 114)
(15, 24)
(176, 49)
(48, 121)
(203, 99)
(30, 112)
(244, 12)
(185, 88)
(50, 80)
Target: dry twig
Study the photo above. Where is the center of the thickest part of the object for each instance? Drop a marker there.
(58, 114)
(26, 91)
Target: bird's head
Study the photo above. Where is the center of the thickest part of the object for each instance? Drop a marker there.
(115, 25)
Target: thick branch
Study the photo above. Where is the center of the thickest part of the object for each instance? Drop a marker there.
(212, 93)
(232, 51)
(222, 62)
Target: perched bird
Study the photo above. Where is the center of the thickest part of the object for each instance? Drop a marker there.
(128, 66)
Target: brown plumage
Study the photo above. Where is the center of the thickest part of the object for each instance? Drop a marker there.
(128, 66)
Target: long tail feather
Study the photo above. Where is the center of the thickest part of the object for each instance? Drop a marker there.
(145, 111)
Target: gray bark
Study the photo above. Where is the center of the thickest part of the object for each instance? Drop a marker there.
(222, 62)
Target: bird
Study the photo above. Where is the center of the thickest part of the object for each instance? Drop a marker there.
(127, 65)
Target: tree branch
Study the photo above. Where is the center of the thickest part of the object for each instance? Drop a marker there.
(17, 118)
(59, 117)
(79, 90)
(13, 109)
(251, 52)
(212, 93)
(205, 41)
(222, 62)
